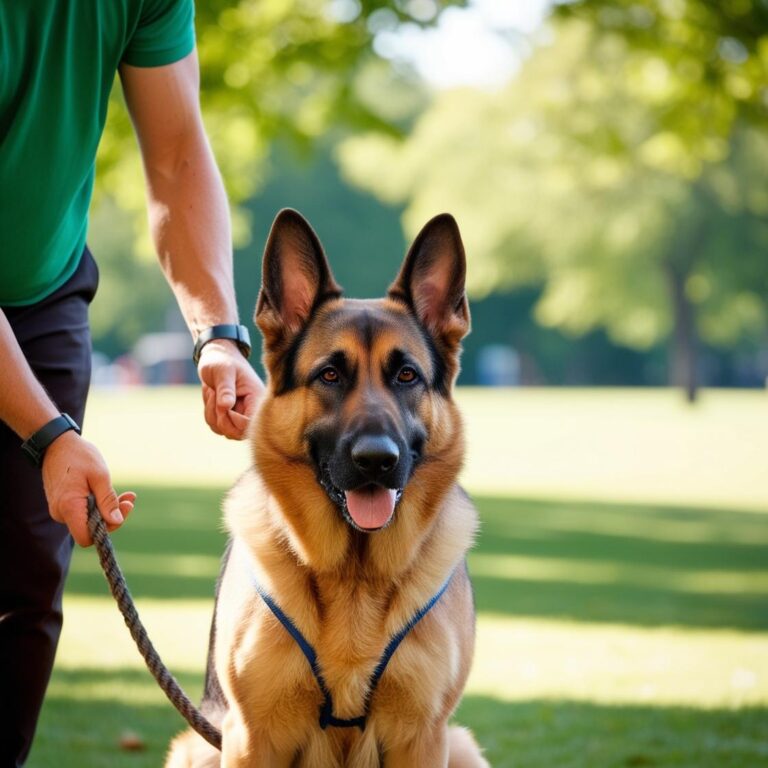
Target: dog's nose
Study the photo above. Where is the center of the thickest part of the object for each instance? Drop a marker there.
(375, 455)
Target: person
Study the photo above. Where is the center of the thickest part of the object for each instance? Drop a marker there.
(58, 63)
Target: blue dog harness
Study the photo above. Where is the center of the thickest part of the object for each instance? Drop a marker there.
(326, 708)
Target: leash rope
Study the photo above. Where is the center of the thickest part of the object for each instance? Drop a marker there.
(122, 595)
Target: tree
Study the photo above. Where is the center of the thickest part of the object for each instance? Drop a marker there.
(276, 69)
(587, 174)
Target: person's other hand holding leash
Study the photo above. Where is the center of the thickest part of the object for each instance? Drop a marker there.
(73, 468)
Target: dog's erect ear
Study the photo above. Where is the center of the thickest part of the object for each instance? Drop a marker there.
(431, 280)
(296, 277)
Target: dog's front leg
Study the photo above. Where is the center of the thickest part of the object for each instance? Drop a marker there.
(240, 748)
(235, 742)
(429, 749)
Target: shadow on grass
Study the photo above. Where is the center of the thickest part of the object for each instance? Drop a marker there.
(572, 734)
(168, 527)
(87, 711)
(628, 563)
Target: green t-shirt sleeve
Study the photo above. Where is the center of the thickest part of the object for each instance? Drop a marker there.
(164, 34)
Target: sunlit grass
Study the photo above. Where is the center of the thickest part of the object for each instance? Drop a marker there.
(619, 444)
(512, 568)
(618, 664)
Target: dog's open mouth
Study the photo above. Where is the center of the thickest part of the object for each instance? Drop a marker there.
(368, 508)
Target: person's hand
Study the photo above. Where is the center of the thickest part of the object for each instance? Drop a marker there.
(231, 388)
(72, 469)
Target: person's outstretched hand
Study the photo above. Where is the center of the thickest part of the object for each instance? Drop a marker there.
(231, 388)
(72, 469)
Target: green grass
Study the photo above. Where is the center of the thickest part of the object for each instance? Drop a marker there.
(617, 630)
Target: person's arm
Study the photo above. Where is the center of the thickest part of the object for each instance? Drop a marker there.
(189, 218)
(72, 467)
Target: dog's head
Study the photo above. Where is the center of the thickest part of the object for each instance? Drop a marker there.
(360, 390)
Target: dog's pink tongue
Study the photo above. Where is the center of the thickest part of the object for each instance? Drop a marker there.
(371, 508)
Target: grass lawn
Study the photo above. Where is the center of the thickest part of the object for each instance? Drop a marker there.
(623, 616)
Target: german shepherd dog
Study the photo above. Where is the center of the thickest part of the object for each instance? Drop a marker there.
(349, 533)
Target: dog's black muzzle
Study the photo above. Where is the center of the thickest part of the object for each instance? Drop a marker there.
(366, 458)
(371, 454)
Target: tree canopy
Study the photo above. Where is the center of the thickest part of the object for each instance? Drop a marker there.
(718, 52)
(291, 70)
(608, 176)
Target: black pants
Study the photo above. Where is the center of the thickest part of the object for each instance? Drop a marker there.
(34, 550)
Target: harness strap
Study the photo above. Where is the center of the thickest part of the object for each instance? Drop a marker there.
(326, 708)
(389, 651)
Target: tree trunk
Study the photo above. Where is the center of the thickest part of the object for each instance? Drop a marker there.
(683, 351)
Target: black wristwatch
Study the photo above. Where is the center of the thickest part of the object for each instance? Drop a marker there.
(35, 446)
(237, 333)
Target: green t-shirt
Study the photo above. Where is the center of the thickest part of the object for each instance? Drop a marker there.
(58, 60)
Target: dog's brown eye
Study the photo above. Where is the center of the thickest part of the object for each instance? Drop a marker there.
(407, 375)
(329, 375)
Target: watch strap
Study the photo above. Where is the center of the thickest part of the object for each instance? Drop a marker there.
(237, 333)
(36, 445)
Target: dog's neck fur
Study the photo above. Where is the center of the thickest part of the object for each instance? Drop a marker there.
(284, 530)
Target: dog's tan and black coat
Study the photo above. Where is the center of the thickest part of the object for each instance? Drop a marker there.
(350, 519)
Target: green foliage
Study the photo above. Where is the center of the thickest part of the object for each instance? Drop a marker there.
(628, 155)
(276, 69)
(601, 172)
(715, 55)
(133, 297)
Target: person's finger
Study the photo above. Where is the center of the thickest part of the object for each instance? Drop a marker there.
(126, 507)
(240, 423)
(226, 426)
(126, 504)
(106, 498)
(209, 405)
(74, 513)
(211, 415)
(246, 405)
(225, 388)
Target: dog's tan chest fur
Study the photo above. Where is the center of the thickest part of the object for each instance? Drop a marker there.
(349, 621)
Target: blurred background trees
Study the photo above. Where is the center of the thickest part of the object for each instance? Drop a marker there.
(611, 192)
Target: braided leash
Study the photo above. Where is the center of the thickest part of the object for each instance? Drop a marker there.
(122, 595)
